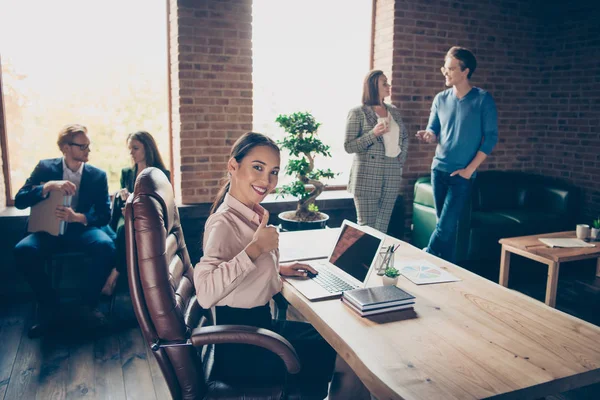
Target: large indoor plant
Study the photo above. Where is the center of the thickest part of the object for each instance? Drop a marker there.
(303, 144)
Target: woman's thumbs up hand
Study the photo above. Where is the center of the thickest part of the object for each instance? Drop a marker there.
(265, 239)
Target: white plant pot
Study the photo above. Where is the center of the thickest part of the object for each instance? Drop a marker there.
(595, 234)
(387, 281)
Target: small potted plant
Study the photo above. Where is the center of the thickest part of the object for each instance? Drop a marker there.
(390, 276)
(303, 145)
(595, 235)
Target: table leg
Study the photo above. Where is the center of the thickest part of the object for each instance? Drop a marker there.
(504, 266)
(552, 284)
(598, 267)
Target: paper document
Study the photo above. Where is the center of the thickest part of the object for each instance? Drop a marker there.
(550, 242)
(423, 272)
(42, 217)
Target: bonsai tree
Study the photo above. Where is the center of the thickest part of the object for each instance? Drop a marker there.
(303, 145)
(596, 223)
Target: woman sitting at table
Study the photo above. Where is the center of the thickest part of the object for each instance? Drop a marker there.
(240, 272)
(144, 153)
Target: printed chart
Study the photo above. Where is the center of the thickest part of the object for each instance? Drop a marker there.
(422, 272)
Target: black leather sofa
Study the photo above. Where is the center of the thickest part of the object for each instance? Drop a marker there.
(503, 204)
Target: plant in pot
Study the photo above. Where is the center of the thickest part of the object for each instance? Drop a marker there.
(304, 145)
(595, 235)
(390, 276)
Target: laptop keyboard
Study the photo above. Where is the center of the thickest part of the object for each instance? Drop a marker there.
(330, 282)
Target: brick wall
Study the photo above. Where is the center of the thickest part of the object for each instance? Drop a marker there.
(510, 41)
(211, 89)
(383, 41)
(569, 89)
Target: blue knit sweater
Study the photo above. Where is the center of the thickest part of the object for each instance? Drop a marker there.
(463, 127)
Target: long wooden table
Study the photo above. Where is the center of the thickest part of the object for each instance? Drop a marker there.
(530, 247)
(465, 340)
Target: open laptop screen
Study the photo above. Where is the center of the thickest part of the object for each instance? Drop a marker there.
(354, 251)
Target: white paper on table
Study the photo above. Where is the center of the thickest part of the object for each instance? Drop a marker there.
(423, 272)
(550, 242)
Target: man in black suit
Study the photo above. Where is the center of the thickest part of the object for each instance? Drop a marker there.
(90, 210)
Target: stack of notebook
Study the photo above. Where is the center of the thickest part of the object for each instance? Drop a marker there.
(377, 300)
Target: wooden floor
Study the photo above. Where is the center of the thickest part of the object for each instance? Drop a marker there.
(118, 365)
(77, 364)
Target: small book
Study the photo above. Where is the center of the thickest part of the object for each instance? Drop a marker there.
(567, 242)
(364, 313)
(42, 217)
(377, 297)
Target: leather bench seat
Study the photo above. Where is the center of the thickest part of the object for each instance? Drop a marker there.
(503, 204)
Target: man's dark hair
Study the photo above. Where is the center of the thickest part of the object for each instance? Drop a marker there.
(465, 58)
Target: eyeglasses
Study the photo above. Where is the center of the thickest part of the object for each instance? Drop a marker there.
(448, 70)
(82, 147)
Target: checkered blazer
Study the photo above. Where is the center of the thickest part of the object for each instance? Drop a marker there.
(368, 149)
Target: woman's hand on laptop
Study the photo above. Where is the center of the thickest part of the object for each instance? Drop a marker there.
(296, 269)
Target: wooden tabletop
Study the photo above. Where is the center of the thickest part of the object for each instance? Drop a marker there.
(465, 340)
(532, 245)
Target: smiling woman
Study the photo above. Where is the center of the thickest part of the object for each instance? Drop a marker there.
(52, 76)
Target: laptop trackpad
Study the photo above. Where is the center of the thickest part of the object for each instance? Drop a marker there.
(311, 290)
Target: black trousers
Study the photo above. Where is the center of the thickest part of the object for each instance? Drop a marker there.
(246, 362)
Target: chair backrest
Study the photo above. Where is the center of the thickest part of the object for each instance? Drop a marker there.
(161, 281)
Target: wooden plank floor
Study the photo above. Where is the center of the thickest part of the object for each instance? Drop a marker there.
(116, 365)
(119, 365)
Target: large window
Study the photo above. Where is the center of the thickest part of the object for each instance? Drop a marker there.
(102, 64)
(311, 55)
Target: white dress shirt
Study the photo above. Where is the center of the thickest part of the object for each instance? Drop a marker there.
(75, 178)
(225, 275)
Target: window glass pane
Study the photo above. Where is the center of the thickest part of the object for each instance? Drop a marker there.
(311, 55)
(102, 64)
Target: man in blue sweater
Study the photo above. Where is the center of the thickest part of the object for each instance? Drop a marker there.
(464, 123)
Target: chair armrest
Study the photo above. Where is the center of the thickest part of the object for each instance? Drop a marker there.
(249, 335)
(115, 211)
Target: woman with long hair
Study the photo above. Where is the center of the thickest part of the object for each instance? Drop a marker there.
(240, 272)
(144, 153)
(377, 137)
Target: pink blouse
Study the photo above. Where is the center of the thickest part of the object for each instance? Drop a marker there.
(225, 275)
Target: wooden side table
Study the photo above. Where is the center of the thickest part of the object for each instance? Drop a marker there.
(530, 247)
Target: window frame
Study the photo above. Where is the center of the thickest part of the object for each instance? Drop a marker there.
(10, 201)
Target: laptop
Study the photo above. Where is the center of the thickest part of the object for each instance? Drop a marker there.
(348, 266)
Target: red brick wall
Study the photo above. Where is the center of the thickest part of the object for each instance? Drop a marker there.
(383, 43)
(211, 89)
(510, 41)
(569, 90)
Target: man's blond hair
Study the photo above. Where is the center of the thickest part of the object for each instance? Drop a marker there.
(68, 132)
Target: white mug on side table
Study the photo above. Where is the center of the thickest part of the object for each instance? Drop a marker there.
(582, 231)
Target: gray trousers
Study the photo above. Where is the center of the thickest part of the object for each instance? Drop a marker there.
(375, 208)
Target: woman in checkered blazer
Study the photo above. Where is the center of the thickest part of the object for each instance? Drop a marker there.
(377, 137)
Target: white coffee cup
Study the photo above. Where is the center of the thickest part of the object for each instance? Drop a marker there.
(384, 121)
(582, 231)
